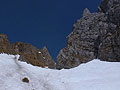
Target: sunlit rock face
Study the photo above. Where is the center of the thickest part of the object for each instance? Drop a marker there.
(27, 52)
(95, 35)
(34, 56)
(5, 46)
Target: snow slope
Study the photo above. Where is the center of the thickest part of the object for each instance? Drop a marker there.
(95, 75)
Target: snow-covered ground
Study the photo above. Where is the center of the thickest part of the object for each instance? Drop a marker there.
(94, 75)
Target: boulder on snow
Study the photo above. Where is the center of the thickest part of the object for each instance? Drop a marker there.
(25, 79)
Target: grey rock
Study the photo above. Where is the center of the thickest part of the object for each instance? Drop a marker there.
(112, 10)
(82, 43)
(109, 50)
(92, 37)
(86, 12)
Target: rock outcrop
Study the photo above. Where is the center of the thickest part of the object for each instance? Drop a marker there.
(109, 50)
(95, 35)
(5, 46)
(27, 52)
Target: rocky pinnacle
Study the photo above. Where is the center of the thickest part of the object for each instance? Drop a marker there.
(94, 35)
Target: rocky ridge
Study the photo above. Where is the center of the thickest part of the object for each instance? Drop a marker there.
(27, 52)
(95, 35)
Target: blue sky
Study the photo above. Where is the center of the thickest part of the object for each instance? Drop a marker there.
(42, 22)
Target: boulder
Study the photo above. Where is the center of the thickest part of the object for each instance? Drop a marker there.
(26, 80)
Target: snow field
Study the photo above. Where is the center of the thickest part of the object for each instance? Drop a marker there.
(94, 75)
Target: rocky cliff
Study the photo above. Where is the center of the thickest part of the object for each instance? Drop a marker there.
(95, 35)
(27, 52)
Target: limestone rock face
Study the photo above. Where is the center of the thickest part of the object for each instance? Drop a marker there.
(83, 42)
(95, 35)
(112, 10)
(109, 50)
(27, 52)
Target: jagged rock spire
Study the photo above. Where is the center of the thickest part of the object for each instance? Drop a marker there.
(93, 36)
(47, 57)
(86, 12)
(44, 48)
